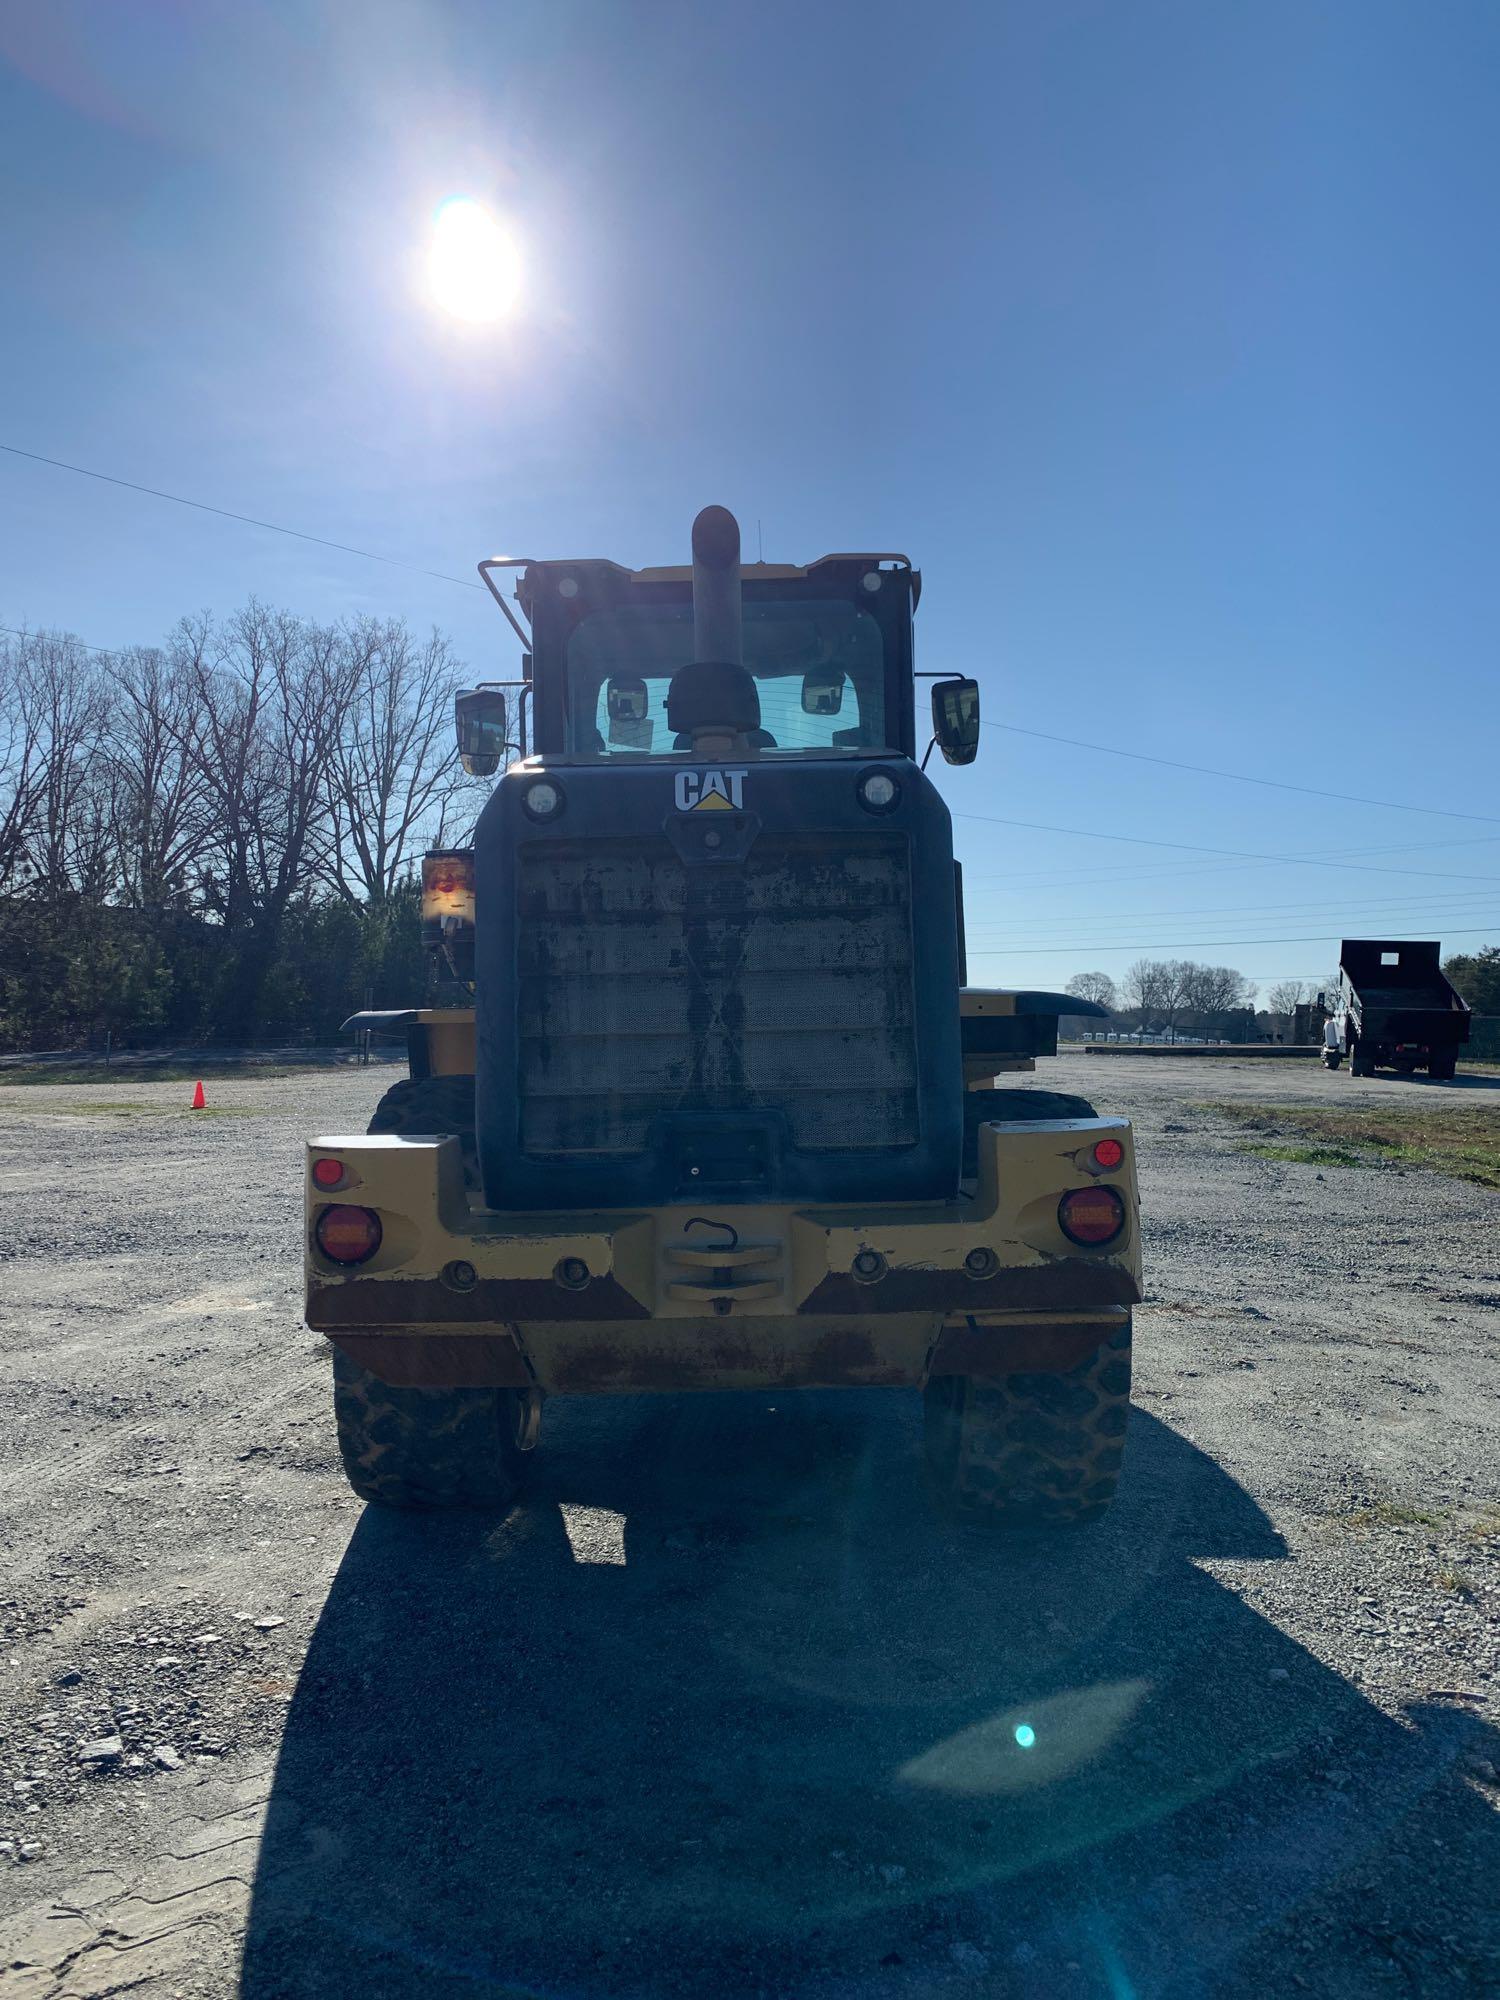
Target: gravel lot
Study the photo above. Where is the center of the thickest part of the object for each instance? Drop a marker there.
(723, 1708)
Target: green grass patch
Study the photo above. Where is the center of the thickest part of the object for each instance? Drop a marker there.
(1392, 1514)
(127, 1072)
(114, 1107)
(1457, 1582)
(1437, 1137)
(1308, 1156)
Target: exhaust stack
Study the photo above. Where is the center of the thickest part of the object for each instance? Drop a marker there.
(717, 632)
(712, 703)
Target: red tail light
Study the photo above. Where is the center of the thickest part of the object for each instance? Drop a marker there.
(1091, 1215)
(1108, 1153)
(328, 1173)
(348, 1235)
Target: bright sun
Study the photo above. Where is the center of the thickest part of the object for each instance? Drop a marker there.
(473, 270)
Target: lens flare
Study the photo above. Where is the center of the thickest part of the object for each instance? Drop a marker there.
(474, 271)
(1025, 1735)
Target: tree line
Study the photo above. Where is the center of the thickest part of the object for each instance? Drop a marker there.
(218, 837)
(1176, 996)
(1173, 996)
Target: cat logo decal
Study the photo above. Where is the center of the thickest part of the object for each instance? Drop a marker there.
(711, 791)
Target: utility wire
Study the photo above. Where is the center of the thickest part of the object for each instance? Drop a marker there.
(107, 652)
(249, 520)
(1239, 777)
(1179, 944)
(1015, 882)
(1014, 729)
(1455, 905)
(1244, 854)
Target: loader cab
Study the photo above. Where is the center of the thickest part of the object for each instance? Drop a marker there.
(828, 648)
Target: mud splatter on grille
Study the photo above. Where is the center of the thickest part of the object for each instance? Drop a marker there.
(647, 986)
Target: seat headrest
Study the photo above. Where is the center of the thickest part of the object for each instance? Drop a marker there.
(713, 694)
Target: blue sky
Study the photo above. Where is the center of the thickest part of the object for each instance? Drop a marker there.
(1163, 336)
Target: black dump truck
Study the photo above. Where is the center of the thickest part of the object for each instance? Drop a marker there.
(1397, 1008)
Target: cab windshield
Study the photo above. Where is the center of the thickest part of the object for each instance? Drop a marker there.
(819, 668)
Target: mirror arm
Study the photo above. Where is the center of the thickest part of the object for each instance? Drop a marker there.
(932, 745)
(506, 562)
(524, 692)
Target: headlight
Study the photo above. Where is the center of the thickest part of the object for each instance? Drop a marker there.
(543, 799)
(878, 791)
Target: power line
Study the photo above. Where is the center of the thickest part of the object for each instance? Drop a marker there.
(467, 583)
(1182, 944)
(249, 520)
(1000, 882)
(1332, 905)
(1010, 728)
(1457, 905)
(1239, 777)
(1244, 854)
(1454, 905)
(16, 632)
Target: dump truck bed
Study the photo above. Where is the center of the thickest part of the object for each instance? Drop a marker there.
(1396, 991)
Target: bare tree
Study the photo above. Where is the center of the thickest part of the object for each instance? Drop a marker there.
(21, 759)
(63, 698)
(1217, 998)
(1144, 990)
(1095, 986)
(158, 766)
(1285, 997)
(392, 771)
(1177, 984)
(271, 694)
(237, 769)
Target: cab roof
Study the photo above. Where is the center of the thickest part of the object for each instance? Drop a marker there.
(756, 572)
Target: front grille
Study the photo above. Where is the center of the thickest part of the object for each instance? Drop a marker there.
(783, 984)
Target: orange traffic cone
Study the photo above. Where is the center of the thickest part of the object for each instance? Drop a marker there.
(199, 1101)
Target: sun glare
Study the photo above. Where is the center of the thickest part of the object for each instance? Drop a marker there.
(473, 270)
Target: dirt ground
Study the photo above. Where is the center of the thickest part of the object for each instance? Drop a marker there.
(723, 1707)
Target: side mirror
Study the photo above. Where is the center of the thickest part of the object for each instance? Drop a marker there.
(823, 691)
(627, 700)
(479, 718)
(955, 719)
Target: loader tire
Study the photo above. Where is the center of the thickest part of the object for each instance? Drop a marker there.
(429, 1449)
(419, 1107)
(1031, 1450)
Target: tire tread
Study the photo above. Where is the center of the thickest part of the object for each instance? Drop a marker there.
(425, 1448)
(1032, 1449)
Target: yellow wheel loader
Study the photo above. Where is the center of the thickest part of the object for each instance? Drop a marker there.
(722, 1111)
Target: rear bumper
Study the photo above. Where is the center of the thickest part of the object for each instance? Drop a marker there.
(743, 1297)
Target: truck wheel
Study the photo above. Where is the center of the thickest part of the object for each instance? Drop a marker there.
(1360, 1064)
(430, 1448)
(420, 1106)
(1443, 1069)
(1032, 1450)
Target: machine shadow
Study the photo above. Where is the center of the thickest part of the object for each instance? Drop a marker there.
(726, 1707)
